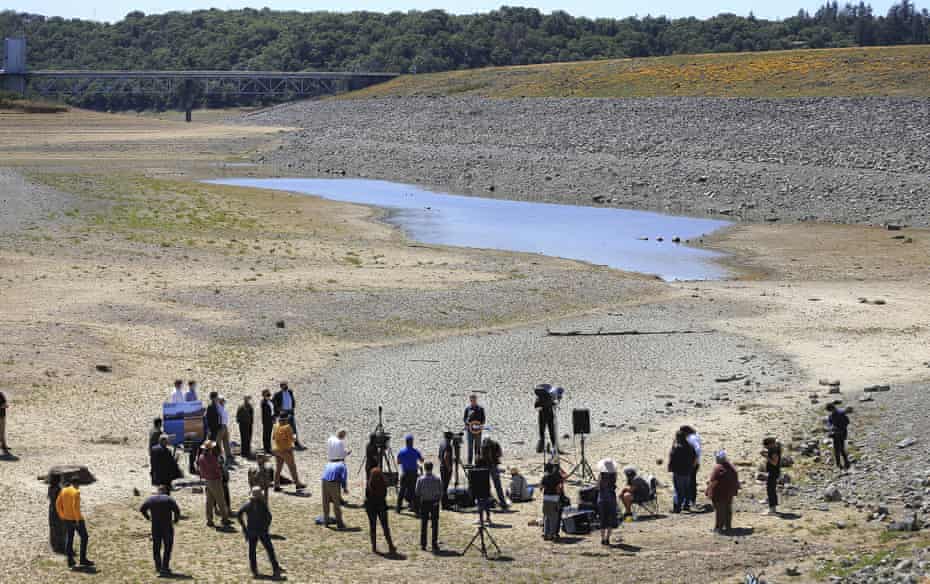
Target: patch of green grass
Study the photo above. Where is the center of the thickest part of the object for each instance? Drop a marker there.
(854, 563)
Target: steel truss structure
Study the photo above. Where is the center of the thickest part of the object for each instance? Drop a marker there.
(204, 83)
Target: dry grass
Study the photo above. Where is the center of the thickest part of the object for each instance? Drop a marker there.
(873, 71)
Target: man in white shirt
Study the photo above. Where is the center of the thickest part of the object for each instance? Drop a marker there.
(222, 436)
(694, 439)
(177, 396)
(336, 448)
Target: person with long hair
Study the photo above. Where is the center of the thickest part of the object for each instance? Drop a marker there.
(377, 509)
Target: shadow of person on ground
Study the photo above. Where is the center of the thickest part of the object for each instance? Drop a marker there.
(175, 576)
(788, 516)
(739, 532)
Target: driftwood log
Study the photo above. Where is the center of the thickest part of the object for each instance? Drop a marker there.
(603, 333)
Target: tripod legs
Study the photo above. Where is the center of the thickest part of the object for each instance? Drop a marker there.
(583, 468)
(480, 535)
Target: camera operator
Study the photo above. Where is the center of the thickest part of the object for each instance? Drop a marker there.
(409, 459)
(474, 418)
(446, 462)
(546, 398)
(490, 458)
(372, 455)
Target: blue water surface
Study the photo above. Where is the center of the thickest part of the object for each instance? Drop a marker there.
(598, 235)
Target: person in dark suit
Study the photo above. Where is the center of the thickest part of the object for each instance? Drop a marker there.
(244, 418)
(213, 417)
(164, 466)
(473, 416)
(267, 420)
(284, 403)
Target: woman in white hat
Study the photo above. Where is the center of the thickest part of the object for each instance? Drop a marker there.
(607, 498)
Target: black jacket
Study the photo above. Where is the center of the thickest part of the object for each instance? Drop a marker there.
(681, 459)
(278, 399)
(267, 413)
(213, 420)
(164, 467)
(258, 517)
(245, 415)
(473, 414)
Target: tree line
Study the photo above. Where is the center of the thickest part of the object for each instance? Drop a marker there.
(422, 42)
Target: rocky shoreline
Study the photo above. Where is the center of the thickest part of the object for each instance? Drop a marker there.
(844, 160)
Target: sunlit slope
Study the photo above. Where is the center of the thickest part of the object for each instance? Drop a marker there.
(879, 71)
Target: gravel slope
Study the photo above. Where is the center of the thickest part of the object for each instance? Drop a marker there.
(848, 160)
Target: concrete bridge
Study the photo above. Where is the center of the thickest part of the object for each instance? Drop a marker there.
(16, 77)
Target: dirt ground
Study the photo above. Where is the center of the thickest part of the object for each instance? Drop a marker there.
(110, 255)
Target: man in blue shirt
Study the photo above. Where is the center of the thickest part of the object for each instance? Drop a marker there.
(409, 459)
(335, 478)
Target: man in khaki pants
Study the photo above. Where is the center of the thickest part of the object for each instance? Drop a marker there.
(335, 478)
(282, 438)
(209, 465)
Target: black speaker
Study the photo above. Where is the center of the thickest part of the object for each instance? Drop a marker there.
(581, 421)
(479, 483)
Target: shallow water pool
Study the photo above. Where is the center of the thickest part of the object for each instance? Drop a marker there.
(598, 235)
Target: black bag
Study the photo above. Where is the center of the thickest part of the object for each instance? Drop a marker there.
(577, 522)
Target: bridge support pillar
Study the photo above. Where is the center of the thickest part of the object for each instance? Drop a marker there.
(187, 99)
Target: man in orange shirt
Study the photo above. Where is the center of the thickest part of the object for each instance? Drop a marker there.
(283, 441)
(68, 506)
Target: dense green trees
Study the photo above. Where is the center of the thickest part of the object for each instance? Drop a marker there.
(431, 41)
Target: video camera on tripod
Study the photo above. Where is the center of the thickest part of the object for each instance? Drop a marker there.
(548, 396)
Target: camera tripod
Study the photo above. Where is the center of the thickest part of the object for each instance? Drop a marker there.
(385, 453)
(480, 535)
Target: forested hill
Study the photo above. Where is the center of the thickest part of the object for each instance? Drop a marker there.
(432, 41)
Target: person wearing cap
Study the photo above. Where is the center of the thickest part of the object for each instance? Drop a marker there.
(163, 512)
(257, 529)
(164, 466)
(245, 415)
(282, 437)
(284, 403)
(267, 407)
(409, 459)
(177, 394)
(208, 464)
(191, 394)
(722, 487)
(607, 499)
(68, 507)
(335, 479)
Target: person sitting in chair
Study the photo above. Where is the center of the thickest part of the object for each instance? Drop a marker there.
(520, 490)
(637, 490)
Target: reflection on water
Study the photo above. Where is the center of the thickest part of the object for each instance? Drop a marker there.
(612, 237)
